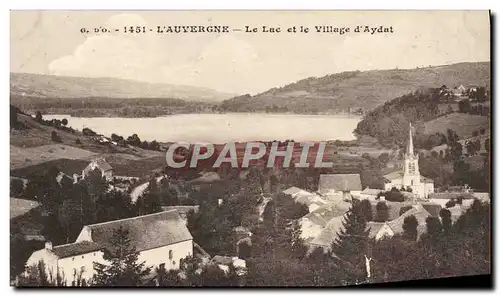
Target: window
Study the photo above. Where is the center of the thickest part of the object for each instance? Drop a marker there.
(82, 257)
(94, 253)
(73, 259)
(170, 254)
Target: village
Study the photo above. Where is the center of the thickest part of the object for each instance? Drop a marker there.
(163, 238)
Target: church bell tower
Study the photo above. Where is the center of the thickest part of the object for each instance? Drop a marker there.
(411, 173)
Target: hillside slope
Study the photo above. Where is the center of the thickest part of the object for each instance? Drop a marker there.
(50, 86)
(368, 89)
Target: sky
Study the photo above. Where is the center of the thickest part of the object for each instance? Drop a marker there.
(50, 42)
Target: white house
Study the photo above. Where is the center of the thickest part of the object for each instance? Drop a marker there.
(410, 177)
(162, 239)
(100, 164)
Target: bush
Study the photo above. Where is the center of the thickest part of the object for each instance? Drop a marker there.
(55, 137)
(78, 142)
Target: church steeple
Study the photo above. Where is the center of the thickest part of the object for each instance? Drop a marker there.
(409, 150)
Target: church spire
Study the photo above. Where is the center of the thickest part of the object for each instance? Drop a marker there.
(410, 144)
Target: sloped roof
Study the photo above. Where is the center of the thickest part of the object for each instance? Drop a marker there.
(451, 195)
(432, 208)
(181, 209)
(394, 208)
(73, 249)
(418, 211)
(145, 232)
(325, 213)
(371, 191)
(224, 260)
(339, 182)
(208, 177)
(394, 175)
(19, 206)
(330, 233)
(425, 179)
(103, 164)
(373, 228)
(292, 190)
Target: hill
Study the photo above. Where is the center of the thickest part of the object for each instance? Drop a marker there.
(50, 86)
(366, 90)
(463, 124)
(32, 149)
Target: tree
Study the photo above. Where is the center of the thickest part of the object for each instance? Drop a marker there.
(464, 106)
(123, 268)
(64, 121)
(78, 142)
(471, 147)
(352, 242)
(384, 158)
(382, 212)
(16, 187)
(13, 116)
(434, 226)
(366, 210)
(445, 215)
(410, 225)
(394, 195)
(55, 137)
(38, 116)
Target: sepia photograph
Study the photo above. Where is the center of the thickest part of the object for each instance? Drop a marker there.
(212, 148)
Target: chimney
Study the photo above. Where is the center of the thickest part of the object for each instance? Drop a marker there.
(48, 245)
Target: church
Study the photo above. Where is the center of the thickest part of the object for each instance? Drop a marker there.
(410, 176)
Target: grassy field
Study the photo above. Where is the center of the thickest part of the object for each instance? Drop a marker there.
(462, 124)
(23, 157)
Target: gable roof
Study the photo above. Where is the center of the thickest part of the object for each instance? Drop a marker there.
(77, 248)
(145, 232)
(339, 182)
(451, 195)
(418, 211)
(103, 164)
(432, 208)
(393, 207)
(292, 190)
(394, 175)
(330, 233)
(373, 228)
(371, 191)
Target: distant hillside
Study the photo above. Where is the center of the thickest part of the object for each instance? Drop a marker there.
(368, 89)
(49, 86)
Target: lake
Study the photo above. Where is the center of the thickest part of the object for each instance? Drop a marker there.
(222, 128)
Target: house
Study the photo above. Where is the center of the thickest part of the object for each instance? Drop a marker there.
(328, 235)
(223, 262)
(162, 240)
(379, 230)
(410, 177)
(101, 165)
(442, 198)
(313, 224)
(368, 193)
(329, 184)
(182, 210)
(311, 200)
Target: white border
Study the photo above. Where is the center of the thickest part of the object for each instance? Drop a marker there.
(199, 4)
